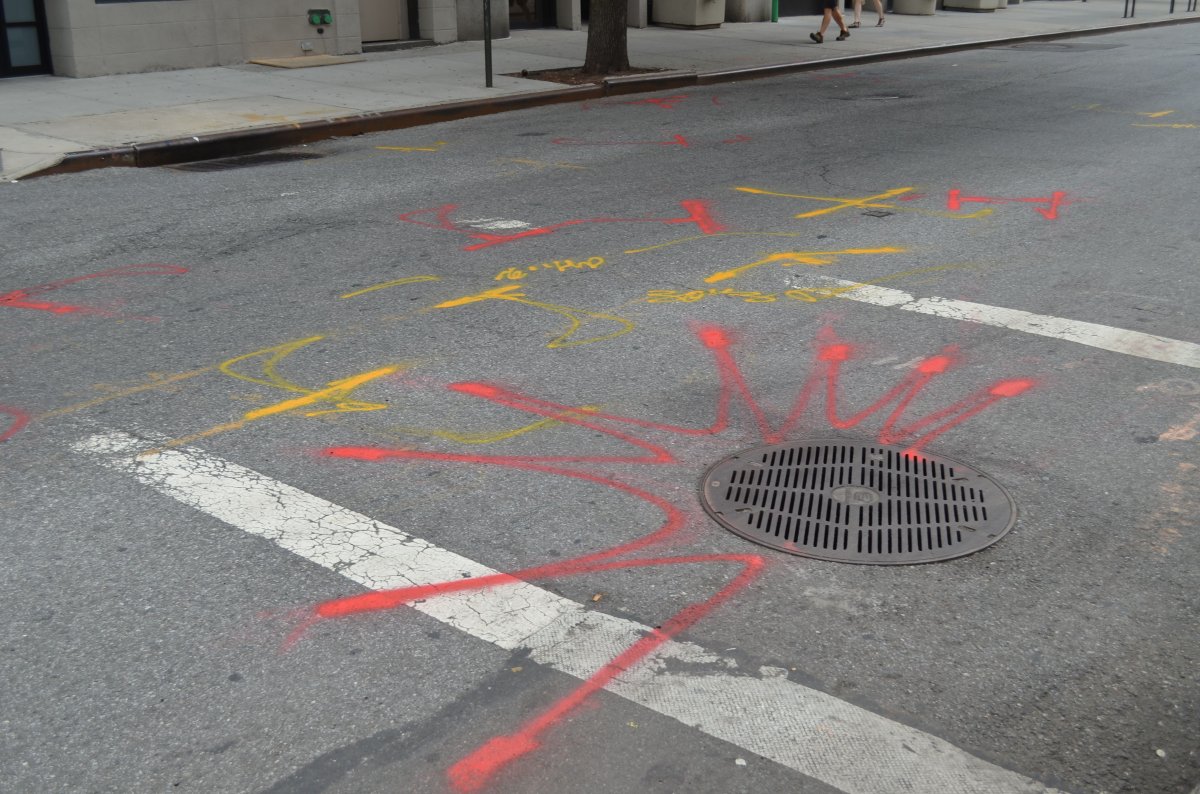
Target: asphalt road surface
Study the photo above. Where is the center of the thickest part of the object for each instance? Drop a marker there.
(237, 400)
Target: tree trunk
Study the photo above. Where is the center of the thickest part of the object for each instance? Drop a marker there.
(607, 49)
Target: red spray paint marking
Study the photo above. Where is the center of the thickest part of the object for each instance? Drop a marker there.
(739, 138)
(674, 140)
(476, 769)
(698, 212)
(666, 103)
(20, 298)
(832, 353)
(955, 200)
(17, 420)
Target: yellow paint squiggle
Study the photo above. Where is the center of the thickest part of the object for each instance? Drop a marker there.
(867, 202)
(575, 317)
(398, 282)
(789, 258)
(336, 393)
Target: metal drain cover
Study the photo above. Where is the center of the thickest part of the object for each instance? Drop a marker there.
(852, 501)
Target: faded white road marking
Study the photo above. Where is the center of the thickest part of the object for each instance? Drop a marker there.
(1118, 340)
(853, 749)
(496, 224)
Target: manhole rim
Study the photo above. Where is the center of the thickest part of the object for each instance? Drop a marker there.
(797, 551)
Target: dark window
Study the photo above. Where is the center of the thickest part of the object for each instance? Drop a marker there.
(24, 41)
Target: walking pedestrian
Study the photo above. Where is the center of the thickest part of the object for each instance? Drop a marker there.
(830, 11)
(858, 13)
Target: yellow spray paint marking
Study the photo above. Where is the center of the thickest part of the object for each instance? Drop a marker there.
(575, 317)
(789, 258)
(807, 295)
(398, 282)
(436, 147)
(155, 382)
(868, 202)
(1171, 126)
(491, 437)
(273, 356)
(1152, 114)
(561, 265)
(540, 165)
(1184, 432)
(336, 393)
(1178, 505)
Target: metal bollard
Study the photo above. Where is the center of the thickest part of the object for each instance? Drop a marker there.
(487, 42)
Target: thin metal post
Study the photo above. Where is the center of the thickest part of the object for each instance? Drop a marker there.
(487, 41)
(1171, 8)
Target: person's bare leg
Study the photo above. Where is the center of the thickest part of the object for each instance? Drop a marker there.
(879, 10)
(858, 11)
(825, 17)
(841, 23)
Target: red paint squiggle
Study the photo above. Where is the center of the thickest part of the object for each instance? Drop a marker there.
(665, 103)
(955, 200)
(698, 212)
(476, 769)
(20, 298)
(17, 420)
(473, 772)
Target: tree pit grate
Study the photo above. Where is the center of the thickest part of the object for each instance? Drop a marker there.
(857, 502)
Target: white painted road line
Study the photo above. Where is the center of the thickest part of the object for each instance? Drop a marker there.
(1118, 340)
(847, 747)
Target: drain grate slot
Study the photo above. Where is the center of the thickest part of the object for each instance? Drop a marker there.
(857, 502)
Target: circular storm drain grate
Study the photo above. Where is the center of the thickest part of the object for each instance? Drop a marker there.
(851, 501)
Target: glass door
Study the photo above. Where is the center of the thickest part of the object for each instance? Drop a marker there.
(24, 44)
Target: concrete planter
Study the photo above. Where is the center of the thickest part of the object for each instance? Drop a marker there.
(916, 7)
(972, 5)
(1001, 4)
(692, 14)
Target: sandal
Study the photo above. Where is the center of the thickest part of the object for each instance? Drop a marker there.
(854, 25)
(879, 24)
(845, 34)
(817, 37)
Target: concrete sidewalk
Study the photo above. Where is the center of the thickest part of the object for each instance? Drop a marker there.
(115, 118)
